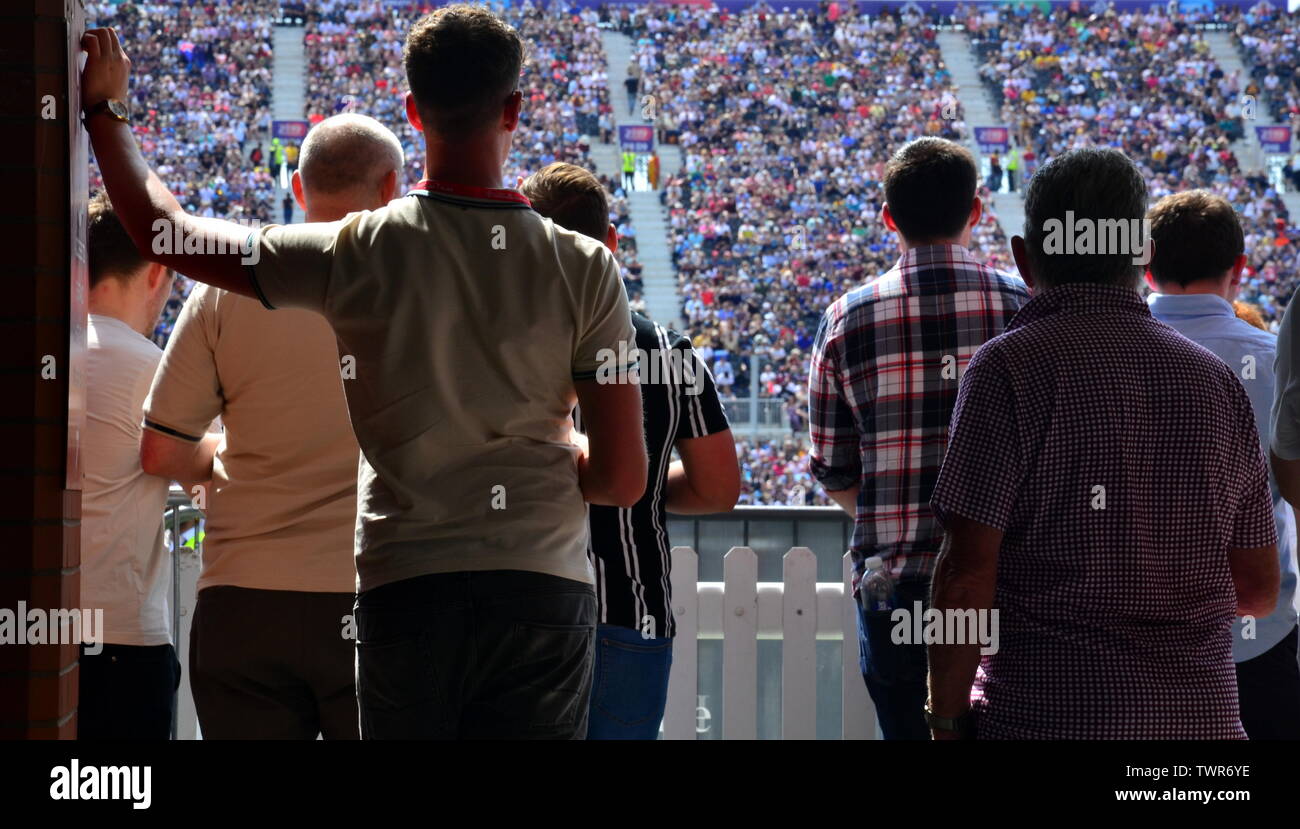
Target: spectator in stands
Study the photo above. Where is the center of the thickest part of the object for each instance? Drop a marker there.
(882, 384)
(287, 207)
(1196, 265)
(267, 656)
(629, 545)
(1115, 551)
(470, 494)
(130, 674)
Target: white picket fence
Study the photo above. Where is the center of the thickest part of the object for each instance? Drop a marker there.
(740, 610)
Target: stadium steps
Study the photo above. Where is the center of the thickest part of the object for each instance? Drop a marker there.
(649, 219)
(1248, 150)
(288, 91)
(979, 111)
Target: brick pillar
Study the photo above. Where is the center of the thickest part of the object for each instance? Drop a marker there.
(43, 167)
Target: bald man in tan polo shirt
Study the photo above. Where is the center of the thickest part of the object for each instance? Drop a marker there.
(268, 658)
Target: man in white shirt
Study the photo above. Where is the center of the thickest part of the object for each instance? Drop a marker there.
(127, 690)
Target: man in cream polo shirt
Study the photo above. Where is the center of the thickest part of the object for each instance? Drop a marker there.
(268, 659)
(476, 325)
(127, 689)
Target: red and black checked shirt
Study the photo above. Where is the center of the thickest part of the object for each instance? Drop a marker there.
(883, 381)
(1121, 462)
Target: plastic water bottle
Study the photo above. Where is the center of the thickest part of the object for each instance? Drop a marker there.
(876, 587)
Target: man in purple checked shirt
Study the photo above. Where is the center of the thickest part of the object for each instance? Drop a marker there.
(1104, 492)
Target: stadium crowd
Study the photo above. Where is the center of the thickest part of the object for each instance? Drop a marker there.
(201, 102)
(354, 56)
(1146, 83)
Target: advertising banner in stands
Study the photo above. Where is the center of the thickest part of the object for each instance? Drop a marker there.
(993, 139)
(1274, 139)
(290, 130)
(638, 139)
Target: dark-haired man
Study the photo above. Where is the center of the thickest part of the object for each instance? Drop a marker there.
(884, 375)
(129, 677)
(476, 326)
(1103, 492)
(1197, 257)
(629, 546)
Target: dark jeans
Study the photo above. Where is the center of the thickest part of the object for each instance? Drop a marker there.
(272, 665)
(1268, 688)
(630, 688)
(895, 674)
(127, 692)
(496, 654)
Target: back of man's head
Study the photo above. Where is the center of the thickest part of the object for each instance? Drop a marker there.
(930, 190)
(1197, 238)
(111, 252)
(1091, 193)
(352, 160)
(571, 197)
(462, 64)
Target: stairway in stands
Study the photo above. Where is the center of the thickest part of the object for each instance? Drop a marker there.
(979, 110)
(288, 94)
(1248, 149)
(649, 218)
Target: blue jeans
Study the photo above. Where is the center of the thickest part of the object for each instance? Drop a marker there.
(630, 686)
(895, 674)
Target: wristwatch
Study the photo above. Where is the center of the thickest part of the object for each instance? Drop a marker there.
(960, 724)
(116, 109)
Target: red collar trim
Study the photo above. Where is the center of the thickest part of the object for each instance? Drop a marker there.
(469, 191)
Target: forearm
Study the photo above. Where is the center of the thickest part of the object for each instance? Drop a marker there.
(683, 499)
(139, 198)
(847, 499)
(953, 667)
(1287, 475)
(602, 485)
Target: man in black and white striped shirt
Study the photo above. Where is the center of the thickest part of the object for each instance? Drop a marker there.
(629, 546)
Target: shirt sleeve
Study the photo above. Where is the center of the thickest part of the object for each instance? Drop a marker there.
(834, 456)
(186, 392)
(294, 265)
(1254, 524)
(983, 468)
(607, 334)
(702, 412)
(1285, 415)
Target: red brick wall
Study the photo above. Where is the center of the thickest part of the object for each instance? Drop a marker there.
(42, 166)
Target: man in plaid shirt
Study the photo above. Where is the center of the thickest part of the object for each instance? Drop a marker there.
(883, 382)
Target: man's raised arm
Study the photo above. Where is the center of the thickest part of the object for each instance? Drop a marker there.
(143, 204)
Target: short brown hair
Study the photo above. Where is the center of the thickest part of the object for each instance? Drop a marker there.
(110, 249)
(929, 188)
(1197, 236)
(462, 62)
(571, 197)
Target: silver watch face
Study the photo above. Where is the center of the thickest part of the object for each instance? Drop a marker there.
(118, 109)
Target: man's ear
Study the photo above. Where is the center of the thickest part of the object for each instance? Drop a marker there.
(510, 113)
(295, 183)
(888, 218)
(388, 187)
(1151, 280)
(611, 239)
(413, 113)
(156, 275)
(976, 211)
(1238, 268)
(1020, 252)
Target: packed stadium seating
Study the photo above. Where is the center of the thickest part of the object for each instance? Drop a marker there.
(201, 96)
(785, 120)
